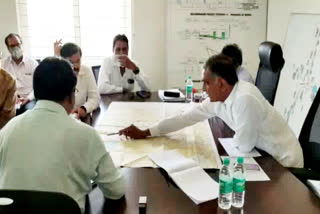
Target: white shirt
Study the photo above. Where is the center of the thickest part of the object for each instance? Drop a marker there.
(244, 75)
(45, 149)
(255, 122)
(23, 73)
(110, 80)
(86, 90)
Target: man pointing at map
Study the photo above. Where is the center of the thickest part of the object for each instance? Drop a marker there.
(242, 107)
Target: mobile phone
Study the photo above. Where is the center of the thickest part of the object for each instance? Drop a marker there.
(143, 94)
(171, 94)
(251, 166)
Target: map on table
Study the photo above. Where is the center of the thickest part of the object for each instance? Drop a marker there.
(195, 142)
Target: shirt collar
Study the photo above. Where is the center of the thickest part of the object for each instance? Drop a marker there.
(50, 106)
(232, 95)
(13, 62)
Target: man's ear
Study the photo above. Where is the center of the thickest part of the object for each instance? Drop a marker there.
(223, 84)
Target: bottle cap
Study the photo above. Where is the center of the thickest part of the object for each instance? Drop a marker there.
(189, 77)
(226, 161)
(240, 160)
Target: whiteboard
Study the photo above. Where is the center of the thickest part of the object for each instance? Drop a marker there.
(300, 77)
(198, 29)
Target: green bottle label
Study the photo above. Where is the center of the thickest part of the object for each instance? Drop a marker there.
(225, 186)
(189, 89)
(239, 185)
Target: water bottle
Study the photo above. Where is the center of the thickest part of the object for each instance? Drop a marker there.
(239, 184)
(225, 183)
(189, 88)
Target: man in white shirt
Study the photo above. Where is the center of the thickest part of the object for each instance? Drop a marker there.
(47, 150)
(242, 106)
(87, 96)
(119, 73)
(20, 67)
(233, 51)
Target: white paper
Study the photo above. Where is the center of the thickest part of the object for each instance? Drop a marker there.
(188, 175)
(233, 151)
(315, 186)
(172, 99)
(251, 175)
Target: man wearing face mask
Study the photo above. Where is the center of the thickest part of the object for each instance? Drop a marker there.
(119, 73)
(20, 67)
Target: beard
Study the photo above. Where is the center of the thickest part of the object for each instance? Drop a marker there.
(16, 52)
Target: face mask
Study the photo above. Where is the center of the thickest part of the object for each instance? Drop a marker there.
(16, 52)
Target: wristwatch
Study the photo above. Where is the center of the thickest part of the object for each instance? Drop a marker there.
(136, 71)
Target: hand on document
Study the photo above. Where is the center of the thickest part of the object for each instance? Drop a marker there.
(134, 132)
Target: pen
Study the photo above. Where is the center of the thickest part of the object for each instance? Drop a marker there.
(113, 133)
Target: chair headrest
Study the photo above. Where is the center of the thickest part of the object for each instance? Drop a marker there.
(271, 56)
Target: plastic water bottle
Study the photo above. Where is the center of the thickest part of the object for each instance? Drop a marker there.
(225, 183)
(189, 88)
(239, 184)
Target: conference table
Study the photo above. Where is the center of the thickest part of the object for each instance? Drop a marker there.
(284, 193)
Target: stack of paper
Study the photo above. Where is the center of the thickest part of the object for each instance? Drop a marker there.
(181, 98)
(315, 186)
(188, 175)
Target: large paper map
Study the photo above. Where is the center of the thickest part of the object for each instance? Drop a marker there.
(194, 142)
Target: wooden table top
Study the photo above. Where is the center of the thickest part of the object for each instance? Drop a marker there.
(283, 194)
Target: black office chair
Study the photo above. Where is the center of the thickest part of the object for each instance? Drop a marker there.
(96, 70)
(29, 201)
(271, 64)
(310, 142)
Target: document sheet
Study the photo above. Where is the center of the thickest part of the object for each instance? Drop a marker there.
(188, 175)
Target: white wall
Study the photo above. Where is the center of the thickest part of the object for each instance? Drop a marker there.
(279, 14)
(8, 21)
(149, 41)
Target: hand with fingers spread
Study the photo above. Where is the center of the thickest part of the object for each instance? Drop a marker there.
(57, 47)
(134, 132)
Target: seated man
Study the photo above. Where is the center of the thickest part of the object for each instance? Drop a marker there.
(7, 97)
(45, 149)
(242, 106)
(118, 73)
(87, 96)
(233, 51)
(20, 67)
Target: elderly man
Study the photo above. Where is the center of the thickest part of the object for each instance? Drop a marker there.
(20, 67)
(242, 106)
(46, 149)
(119, 73)
(87, 96)
(7, 97)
